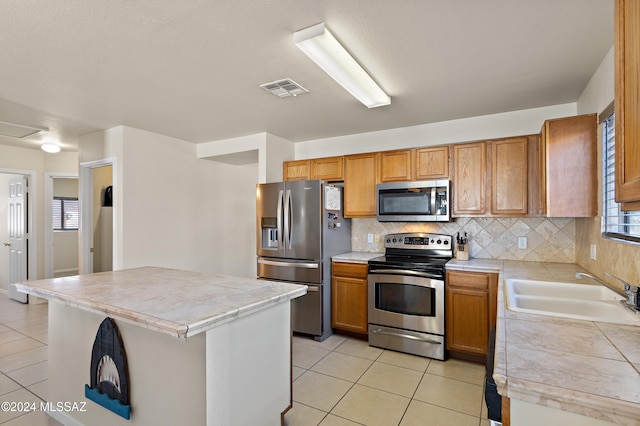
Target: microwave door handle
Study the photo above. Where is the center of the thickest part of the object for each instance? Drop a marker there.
(279, 234)
(287, 218)
(433, 200)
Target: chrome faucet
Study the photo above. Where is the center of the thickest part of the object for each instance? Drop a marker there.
(631, 292)
(584, 274)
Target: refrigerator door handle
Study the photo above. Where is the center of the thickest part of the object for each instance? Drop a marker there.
(280, 235)
(304, 265)
(287, 218)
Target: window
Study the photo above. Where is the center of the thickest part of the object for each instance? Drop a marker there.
(617, 224)
(65, 214)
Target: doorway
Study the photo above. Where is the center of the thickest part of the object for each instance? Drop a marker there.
(98, 241)
(61, 255)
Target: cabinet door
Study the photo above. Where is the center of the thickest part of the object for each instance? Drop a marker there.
(295, 170)
(360, 179)
(330, 168)
(471, 305)
(396, 166)
(571, 182)
(469, 180)
(627, 106)
(349, 297)
(432, 163)
(509, 176)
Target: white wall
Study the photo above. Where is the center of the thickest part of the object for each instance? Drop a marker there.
(467, 129)
(176, 210)
(4, 230)
(599, 91)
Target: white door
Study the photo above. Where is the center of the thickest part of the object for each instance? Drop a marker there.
(18, 236)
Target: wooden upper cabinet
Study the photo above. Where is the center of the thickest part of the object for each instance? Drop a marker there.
(329, 168)
(570, 178)
(432, 163)
(360, 179)
(296, 170)
(509, 176)
(469, 178)
(627, 103)
(396, 166)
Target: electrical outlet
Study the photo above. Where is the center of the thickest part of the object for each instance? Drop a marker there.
(522, 242)
(369, 238)
(377, 238)
(593, 252)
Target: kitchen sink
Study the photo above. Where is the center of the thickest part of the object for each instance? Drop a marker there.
(568, 300)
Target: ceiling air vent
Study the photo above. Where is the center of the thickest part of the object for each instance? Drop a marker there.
(18, 131)
(284, 88)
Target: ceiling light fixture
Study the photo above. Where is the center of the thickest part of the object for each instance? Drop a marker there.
(50, 148)
(323, 48)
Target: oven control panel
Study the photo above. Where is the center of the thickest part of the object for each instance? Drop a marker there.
(419, 241)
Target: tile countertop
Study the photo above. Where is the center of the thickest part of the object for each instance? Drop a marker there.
(170, 301)
(355, 257)
(584, 367)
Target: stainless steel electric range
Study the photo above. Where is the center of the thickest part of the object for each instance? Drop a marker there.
(406, 294)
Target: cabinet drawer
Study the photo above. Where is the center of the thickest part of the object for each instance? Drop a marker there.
(470, 280)
(352, 270)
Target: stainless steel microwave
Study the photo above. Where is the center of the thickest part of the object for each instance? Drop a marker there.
(423, 201)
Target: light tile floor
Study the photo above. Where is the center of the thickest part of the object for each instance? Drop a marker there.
(23, 362)
(341, 381)
(344, 381)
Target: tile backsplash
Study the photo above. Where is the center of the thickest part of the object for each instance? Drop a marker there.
(548, 240)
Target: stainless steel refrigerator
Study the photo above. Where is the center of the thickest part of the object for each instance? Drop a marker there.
(299, 227)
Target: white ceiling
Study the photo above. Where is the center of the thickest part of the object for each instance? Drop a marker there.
(191, 69)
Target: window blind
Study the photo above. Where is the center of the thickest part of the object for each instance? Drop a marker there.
(615, 223)
(65, 214)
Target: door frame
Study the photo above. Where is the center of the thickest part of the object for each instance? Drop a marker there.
(85, 193)
(32, 223)
(48, 225)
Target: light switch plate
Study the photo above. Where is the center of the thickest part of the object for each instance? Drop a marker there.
(593, 252)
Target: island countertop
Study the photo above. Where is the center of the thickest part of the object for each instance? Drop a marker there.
(170, 301)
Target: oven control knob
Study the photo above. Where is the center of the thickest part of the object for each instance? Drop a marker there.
(388, 240)
(394, 240)
(446, 242)
(432, 241)
(439, 241)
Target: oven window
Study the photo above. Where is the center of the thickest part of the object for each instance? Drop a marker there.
(405, 299)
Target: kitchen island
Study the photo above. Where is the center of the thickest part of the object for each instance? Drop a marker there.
(557, 370)
(199, 348)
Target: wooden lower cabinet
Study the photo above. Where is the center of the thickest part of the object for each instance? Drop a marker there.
(349, 296)
(471, 305)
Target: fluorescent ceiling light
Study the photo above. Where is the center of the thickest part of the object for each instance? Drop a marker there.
(323, 48)
(50, 147)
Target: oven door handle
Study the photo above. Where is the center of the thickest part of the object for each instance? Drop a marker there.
(405, 272)
(406, 336)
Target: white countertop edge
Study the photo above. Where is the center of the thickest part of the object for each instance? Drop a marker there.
(210, 323)
(583, 403)
(180, 331)
(475, 265)
(361, 257)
